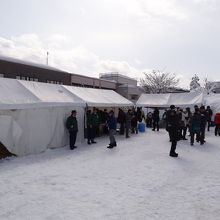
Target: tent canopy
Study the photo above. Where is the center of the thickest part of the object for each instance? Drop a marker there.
(213, 101)
(99, 97)
(165, 100)
(19, 94)
(52, 94)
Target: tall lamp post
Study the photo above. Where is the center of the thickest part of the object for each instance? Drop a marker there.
(47, 58)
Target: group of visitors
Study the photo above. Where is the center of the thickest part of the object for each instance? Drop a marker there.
(178, 122)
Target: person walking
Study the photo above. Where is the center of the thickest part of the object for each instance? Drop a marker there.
(172, 127)
(72, 126)
(112, 125)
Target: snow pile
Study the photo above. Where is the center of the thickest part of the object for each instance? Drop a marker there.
(136, 180)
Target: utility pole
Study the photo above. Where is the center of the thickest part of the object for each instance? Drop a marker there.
(47, 58)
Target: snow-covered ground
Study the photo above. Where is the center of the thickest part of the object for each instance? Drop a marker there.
(136, 180)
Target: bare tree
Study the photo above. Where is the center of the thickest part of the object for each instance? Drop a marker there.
(158, 81)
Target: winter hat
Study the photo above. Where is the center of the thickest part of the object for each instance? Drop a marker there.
(172, 107)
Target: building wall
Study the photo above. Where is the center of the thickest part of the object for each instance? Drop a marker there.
(33, 73)
(118, 78)
(27, 71)
(85, 81)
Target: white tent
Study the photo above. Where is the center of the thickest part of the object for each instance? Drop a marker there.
(33, 114)
(99, 98)
(213, 101)
(165, 100)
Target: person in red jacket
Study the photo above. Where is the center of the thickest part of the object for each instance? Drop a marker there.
(217, 124)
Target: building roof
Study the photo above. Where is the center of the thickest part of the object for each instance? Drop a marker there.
(28, 63)
(113, 74)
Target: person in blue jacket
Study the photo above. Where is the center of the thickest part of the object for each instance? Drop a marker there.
(112, 125)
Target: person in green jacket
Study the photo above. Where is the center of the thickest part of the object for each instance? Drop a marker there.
(72, 126)
(95, 125)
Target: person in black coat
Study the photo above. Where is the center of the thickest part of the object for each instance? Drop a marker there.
(128, 123)
(90, 132)
(209, 117)
(204, 117)
(134, 122)
(72, 126)
(121, 121)
(156, 119)
(195, 126)
(172, 127)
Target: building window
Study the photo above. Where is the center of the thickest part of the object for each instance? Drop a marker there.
(1, 75)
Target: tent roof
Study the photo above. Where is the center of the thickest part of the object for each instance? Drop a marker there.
(165, 100)
(19, 94)
(52, 94)
(99, 97)
(14, 95)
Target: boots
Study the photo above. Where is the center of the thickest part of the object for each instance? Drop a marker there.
(112, 145)
(173, 154)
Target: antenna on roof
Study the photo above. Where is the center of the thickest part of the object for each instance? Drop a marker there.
(47, 58)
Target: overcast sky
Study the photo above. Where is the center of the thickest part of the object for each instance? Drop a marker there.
(129, 36)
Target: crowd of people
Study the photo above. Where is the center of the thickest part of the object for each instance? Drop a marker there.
(177, 122)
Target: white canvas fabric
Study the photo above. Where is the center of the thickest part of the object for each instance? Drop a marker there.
(52, 94)
(99, 97)
(33, 114)
(213, 101)
(30, 131)
(14, 95)
(165, 100)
